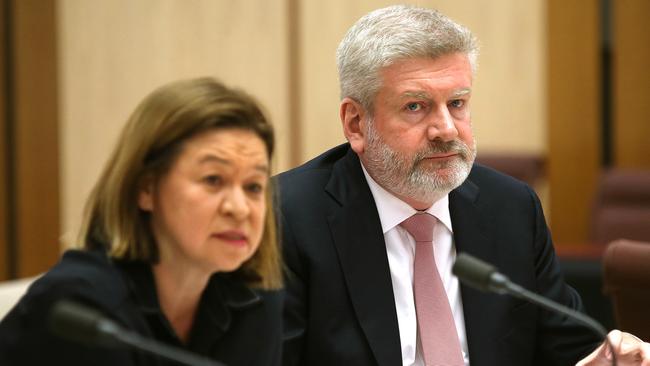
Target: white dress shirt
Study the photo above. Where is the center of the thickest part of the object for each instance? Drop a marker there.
(400, 247)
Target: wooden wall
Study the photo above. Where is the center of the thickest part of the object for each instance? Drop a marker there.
(631, 84)
(5, 260)
(573, 115)
(577, 129)
(30, 193)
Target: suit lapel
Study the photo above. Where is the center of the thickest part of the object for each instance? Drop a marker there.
(361, 249)
(471, 228)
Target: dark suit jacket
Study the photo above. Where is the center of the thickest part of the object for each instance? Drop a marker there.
(233, 324)
(339, 307)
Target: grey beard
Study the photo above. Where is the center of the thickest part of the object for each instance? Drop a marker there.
(408, 178)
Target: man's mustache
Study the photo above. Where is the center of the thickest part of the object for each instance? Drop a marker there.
(446, 147)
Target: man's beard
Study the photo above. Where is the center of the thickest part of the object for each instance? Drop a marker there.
(414, 177)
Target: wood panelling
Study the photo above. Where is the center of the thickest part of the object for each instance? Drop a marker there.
(4, 259)
(573, 115)
(631, 83)
(35, 128)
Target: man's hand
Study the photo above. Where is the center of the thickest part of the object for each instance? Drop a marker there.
(629, 349)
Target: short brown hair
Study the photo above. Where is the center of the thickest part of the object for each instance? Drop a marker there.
(148, 144)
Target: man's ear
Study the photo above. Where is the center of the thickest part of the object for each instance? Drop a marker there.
(353, 120)
(145, 194)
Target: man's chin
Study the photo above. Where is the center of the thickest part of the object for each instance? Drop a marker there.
(441, 172)
(448, 177)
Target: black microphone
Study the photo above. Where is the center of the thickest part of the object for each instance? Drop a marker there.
(80, 323)
(485, 277)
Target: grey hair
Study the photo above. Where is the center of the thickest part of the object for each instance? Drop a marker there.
(397, 32)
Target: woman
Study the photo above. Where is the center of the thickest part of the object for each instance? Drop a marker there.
(178, 241)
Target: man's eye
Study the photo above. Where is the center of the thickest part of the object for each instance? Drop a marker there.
(414, 107)
(457, 103)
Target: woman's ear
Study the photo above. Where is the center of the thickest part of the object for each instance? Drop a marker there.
(145, 194)
(353, 117)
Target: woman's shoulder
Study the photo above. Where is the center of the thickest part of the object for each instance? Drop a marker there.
(87, 276)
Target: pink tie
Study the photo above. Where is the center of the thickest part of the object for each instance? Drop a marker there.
(438, 335)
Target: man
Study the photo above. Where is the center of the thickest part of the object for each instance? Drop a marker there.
(359, 287)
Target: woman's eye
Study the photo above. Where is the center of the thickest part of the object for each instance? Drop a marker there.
(255, 188)
(413, 107)
(457, 103)
(212, 180)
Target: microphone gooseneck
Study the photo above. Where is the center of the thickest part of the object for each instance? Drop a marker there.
(82, 324)
(485, 277)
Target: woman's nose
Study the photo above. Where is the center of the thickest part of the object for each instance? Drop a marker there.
(235, 203)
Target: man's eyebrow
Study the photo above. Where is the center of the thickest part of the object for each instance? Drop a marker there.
(425, 95)
(415, 94)
(461, 92)
(209, 158)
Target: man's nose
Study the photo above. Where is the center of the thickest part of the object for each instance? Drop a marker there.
(442, 126)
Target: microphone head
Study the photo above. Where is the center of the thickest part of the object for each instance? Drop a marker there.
(473, 272)
(80, 323)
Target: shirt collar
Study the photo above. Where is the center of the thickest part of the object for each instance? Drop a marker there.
(392, 210)
(222, 293)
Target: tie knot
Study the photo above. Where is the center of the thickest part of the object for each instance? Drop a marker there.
(420, 226)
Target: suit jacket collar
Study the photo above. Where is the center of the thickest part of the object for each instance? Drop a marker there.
(471, 235)
(361, 249)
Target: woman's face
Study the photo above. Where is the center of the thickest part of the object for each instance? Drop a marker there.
(208, 210)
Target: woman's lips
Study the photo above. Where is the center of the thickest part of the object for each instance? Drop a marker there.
(232, 237)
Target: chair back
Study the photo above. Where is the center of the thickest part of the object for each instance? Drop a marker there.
(626, 271)
(621, 207)
(11, 291)
(525, 167)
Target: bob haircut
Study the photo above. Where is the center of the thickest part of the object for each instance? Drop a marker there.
(148, 145)
(384, 36)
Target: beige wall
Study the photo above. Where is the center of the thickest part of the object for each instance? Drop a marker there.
(113, 52)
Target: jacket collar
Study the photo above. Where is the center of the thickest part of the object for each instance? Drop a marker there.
(358, 239)
(472, 235)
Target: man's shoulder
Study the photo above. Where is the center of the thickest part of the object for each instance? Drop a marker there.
(487, 177)
(313, 175)
(321, 164)
(495, 186)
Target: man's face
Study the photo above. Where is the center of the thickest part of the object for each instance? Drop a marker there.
(419, 143)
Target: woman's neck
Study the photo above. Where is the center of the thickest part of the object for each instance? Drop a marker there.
(179, 291)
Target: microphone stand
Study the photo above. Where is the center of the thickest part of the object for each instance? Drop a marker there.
(80, 323)
(485, 277)
(137, 341)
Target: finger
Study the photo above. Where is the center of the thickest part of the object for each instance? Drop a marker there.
(614, 339)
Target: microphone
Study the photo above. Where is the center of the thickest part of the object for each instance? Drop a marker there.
(485, 277)
(79, 323)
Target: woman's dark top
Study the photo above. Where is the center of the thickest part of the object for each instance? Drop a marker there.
(234, 324)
